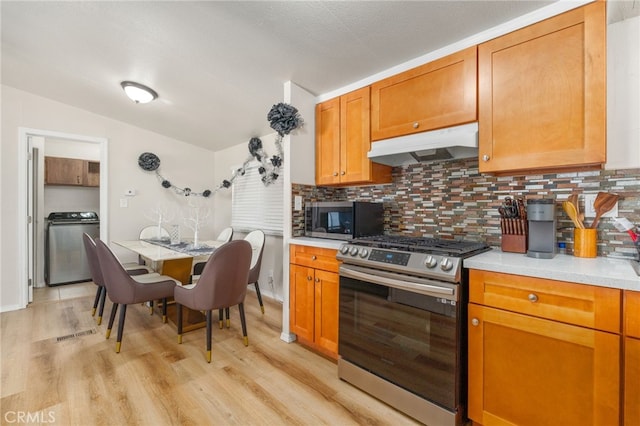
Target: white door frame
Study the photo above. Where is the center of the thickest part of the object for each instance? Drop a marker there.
(25, 257)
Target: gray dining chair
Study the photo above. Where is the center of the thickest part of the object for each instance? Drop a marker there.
(96, 274)
(124, 289)
(224, 236)
(256, 239)
(223, 283)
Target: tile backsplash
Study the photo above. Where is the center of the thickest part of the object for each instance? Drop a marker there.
(451, 199)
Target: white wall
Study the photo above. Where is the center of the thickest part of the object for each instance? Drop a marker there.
(623, 94)
(183, 164)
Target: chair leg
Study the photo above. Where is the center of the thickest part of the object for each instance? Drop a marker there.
(209, 336)
(95, 302)
(221, 318)
(112, 317)
(259, 296)
(226, 313)
(151, 307)
(244, 324)
(123, 313)
(179, 321)
(103, 298)
(164, 310)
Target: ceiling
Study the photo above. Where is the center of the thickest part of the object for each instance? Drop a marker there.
(219, 66)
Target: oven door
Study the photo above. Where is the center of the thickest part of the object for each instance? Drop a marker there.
(405, 330)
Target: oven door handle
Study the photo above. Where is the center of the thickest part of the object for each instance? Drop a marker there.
(426, 289)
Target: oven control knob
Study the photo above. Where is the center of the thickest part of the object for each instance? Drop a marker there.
(344, 249)
(430, 262)
(364, 252)
(446, 264)
(353, 251)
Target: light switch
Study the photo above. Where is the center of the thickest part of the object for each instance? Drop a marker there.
(297, 201)
(124, 202)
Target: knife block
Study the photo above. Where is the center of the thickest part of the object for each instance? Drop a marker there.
(514, 235)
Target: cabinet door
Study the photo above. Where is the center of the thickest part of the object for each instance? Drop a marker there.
(328, 142)
(632, 313)
(92, 173)
(301, 296)
(355, 139)
(439, 94)
(326, 310)
(632, 382)
(542, 99)
(63, 171)
(531, 371)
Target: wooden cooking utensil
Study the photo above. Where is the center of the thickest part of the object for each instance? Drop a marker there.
(603, 203)
(573, 199)
(570, 209)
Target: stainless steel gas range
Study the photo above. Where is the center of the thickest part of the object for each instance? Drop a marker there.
(402, 328)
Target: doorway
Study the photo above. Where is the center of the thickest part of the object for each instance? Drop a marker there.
(30, 223)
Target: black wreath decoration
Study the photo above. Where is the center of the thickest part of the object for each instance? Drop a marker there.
(283, 118)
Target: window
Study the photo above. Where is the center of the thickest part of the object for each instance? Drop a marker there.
(254, 205)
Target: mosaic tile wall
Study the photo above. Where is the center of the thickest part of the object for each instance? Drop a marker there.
(451, 199)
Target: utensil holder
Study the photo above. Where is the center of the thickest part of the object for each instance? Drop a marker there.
(514, 235)
(584, 242)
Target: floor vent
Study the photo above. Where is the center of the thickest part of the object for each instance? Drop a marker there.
(78, 334)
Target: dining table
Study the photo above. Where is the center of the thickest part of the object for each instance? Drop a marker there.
(175, 260)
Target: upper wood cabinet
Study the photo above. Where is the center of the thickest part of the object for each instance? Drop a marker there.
(439, 94)
(542, 94)
(92, 173)
(71, 171)
(63, 171)
(343, 141)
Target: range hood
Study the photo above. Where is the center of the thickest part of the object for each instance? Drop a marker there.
(443, 144)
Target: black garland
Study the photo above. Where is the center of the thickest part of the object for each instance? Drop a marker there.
(283, 118)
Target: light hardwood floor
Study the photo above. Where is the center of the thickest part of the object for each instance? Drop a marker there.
(58, 369)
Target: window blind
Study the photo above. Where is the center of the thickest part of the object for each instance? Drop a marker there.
(254, 205)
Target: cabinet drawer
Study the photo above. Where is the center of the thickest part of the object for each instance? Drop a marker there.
(314, 257)
(583, 305)
(632, 313)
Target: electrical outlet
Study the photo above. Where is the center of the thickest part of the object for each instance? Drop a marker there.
(589, 211)
(270, 279)
(297, 202)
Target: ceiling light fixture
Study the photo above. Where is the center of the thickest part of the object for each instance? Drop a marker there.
(138, 93)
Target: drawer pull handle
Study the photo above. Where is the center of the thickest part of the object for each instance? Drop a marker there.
(475, 322)
(532, 298)
(313, 257)
(317, 280)
(416, 125)
(309, 278)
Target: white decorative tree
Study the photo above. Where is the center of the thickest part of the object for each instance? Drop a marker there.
(161, 214)
(196, 215)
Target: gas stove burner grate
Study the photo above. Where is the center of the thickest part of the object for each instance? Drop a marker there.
(453, 248)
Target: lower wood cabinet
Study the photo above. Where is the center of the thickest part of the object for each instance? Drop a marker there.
(631, 381)
(632, 358)
(539, 352)
(313, 298)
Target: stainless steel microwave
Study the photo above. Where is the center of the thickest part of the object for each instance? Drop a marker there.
(343, 220)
